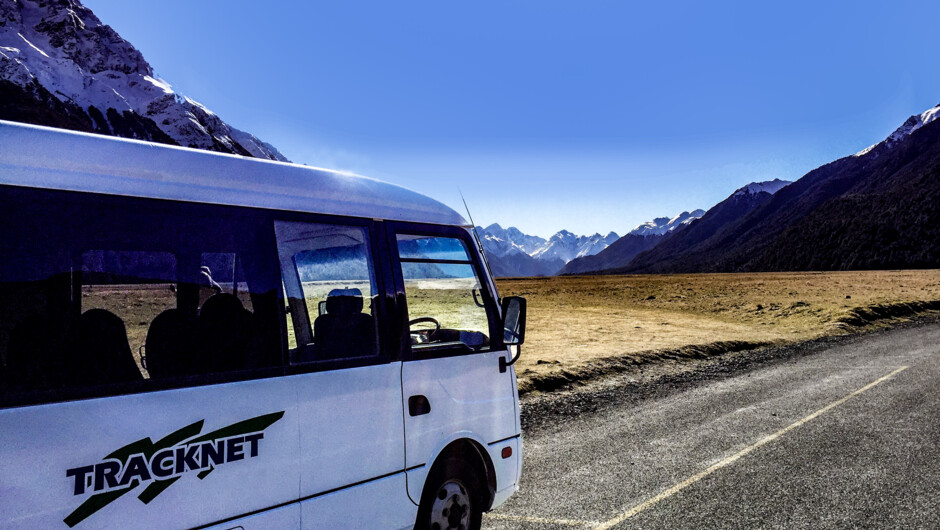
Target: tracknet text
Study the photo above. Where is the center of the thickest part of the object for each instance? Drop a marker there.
(164, 464)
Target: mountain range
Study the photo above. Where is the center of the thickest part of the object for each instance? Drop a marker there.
(643, 237)
(512, 253)
(61, 67)
(876, 209)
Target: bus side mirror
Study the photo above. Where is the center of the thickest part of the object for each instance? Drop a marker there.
(321, 307)
(513, 320)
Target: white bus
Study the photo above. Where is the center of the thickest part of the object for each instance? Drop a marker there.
(197, 340)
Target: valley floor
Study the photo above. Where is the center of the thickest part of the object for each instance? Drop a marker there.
(585, 326)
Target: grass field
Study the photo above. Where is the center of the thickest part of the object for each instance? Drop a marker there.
(575, 322)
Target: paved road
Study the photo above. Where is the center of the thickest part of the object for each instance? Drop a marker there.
(845, 437)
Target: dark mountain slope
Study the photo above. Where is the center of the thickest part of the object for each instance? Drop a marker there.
(890, 219)
(695, 241)
(874, 210)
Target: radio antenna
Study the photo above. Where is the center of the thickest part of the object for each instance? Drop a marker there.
(476, 236)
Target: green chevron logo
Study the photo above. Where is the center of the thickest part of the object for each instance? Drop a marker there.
(159, 464)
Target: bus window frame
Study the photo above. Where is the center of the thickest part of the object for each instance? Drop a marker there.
(387, 351)
(489, 300)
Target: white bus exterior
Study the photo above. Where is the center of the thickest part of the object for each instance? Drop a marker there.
(198, 340)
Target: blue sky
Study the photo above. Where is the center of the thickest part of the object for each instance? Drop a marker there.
(589, 116)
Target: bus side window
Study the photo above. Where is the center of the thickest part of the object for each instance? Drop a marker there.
(104, 295)
(330, 285)
(444, 295)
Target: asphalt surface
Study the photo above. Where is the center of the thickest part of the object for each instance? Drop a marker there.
(835, 434)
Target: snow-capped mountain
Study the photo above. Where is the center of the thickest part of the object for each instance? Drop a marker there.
(500, 241)
(60, 66)
(621, 251)
(566, 246)
(662, 225)
(907, 128)
(513, 253)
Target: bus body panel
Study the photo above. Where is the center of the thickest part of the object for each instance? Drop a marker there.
(467, 393)
(40, 444)
(283, 517)
(381, 503)
(351, 427)
(507, 469)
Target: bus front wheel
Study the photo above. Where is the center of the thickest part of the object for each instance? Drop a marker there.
(451, 499)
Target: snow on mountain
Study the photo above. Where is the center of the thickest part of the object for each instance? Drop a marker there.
(513, 253)
(769, 186)
(57, 56)
(566, 246)
(500, 241)
(662, 225)
(912, 124)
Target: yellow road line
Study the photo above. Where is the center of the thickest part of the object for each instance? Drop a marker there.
(733, 458)
(540, 520)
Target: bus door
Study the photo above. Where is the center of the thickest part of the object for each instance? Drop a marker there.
(348, 385)
(452, 383)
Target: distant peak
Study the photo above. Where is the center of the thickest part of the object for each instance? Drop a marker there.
(768, 186)
(662, 225)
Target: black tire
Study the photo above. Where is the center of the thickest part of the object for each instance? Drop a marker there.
(452, 498)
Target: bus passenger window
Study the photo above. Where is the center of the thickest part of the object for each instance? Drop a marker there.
(122, 292)
(444, 296)
(329, 281)
(106, 295)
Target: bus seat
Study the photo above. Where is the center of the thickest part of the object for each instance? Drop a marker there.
(169, 345)
(227, 332)
(104, 352)
(33, 361)
(344, 331)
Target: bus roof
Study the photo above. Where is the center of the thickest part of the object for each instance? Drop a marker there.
(44, 157)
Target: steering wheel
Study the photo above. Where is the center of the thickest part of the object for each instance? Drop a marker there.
(432, 320)
(423, 336)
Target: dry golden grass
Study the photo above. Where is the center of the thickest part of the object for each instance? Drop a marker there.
(575, 320)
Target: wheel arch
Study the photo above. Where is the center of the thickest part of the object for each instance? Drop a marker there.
(476, 455)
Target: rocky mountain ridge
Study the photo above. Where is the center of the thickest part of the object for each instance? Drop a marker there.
(513, 253)
(662, 225)
(60, 66)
